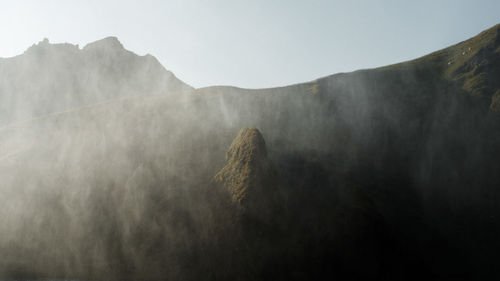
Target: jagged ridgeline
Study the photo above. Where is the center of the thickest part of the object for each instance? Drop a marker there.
(49, 78)
(111, 168)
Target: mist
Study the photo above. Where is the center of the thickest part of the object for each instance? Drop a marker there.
(111, 168)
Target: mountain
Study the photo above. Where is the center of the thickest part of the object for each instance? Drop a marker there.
(49, 78)
(384, 174)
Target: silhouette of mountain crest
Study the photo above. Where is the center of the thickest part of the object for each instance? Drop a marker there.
(108, 43)
(102, 70)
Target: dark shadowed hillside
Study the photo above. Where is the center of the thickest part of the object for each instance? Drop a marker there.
(119, 171)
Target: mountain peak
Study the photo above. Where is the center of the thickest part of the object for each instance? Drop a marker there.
(248, 146)
(108, 43)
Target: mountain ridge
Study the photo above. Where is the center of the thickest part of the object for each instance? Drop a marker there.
(101, 70)
(470, 81)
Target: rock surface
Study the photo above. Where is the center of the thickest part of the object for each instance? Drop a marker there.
(248, 175)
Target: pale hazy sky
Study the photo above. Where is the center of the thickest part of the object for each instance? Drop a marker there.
(254, 43)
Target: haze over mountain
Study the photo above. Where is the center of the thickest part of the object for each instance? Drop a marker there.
(113, 169)
(54, 77)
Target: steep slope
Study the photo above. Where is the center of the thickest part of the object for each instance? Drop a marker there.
(422, 133)
(56, 77)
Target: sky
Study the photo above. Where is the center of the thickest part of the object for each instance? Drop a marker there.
(254, 43)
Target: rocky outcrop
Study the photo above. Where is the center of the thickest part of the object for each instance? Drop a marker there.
(248, 175)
